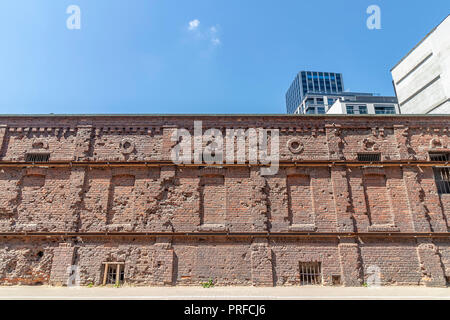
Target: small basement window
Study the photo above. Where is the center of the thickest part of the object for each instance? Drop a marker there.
(336, 279)
(310, 273)
(37, 157)
(440, 157)
(369, 157)
(114, 273)
(442, 177)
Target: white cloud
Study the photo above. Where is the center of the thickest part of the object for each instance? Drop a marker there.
(214, 38)
(211, 34)
(194, 24)
(215, 41)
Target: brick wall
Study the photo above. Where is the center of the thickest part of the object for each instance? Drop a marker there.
(110, 194)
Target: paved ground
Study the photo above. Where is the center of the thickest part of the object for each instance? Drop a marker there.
(224, 293)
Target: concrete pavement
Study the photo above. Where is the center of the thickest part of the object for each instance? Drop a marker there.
(222, 293)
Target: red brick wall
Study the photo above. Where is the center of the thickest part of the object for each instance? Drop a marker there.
(398, 260)
(112, 194)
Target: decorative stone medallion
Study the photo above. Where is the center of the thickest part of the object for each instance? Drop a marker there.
(127, 146)
(295, 146)
(370, 144)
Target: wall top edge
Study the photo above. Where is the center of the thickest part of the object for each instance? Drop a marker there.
(230, 115)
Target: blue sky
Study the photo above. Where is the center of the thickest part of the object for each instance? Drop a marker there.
(196, 56)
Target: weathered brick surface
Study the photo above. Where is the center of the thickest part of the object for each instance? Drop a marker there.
(288, 253)
(430, 264)
(226, 262)
(350, 260)
(26, 262)
(397, 260)
(111, 194)
(261, 254)
(61, 265)
(343, 200)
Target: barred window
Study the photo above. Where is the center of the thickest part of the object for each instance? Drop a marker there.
(442, 176)
(113, 273)
(310, 273)
(369, 157)
(37, 157)
(441, 157)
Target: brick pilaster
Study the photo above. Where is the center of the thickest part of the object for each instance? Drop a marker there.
(334, 142)
(424, 202)
(259, 201)
(402, 137)
(416, 200)
(342, 199)
(433, 201)
(3, 133)
(83, 142)
(167, 144)
(76, 185)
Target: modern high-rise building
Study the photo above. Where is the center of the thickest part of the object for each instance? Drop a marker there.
(310, 82)
(422, 77)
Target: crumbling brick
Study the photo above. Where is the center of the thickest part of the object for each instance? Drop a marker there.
(111, 194)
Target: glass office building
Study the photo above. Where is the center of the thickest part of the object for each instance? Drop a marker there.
(313, 83)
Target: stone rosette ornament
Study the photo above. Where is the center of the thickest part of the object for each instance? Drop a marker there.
(436, 143)
(295, 146)
(127, 146)
(370, 144)
(39, 143)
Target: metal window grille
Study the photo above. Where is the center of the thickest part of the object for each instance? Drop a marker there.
(37, 157)
(369, 157)
(442, 177)
(114, 273)
(310, 273)
(441, 157)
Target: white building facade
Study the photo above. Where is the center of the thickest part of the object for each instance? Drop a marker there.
(422, 77)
